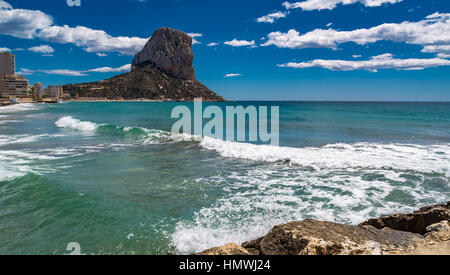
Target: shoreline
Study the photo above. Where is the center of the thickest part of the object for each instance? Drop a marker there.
(423, 232)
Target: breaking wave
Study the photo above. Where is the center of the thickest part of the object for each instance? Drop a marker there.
(20, 108)
(147, 136)
(424, 158)
(345, 183)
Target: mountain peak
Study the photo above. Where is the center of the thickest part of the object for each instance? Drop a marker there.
(169, 51)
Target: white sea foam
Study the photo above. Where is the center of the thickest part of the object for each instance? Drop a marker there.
(72, 123)
(9, 121)
(15, 163)
(346, 183)
(20, 108)
(153, 136)
(254, 201)
(424, 158)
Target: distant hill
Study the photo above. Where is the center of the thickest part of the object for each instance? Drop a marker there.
(162, 70)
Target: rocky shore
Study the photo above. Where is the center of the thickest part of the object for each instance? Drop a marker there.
(423, 232)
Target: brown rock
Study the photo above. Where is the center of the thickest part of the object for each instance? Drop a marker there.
(416, 222)
(228, 249)
(169, 51)
(311, 237)
(145, 82)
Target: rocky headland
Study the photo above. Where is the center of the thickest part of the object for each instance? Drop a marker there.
(163, 70)
(424, 232)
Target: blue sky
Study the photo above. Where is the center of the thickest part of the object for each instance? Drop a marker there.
(251, 50)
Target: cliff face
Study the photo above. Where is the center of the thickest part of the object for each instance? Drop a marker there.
(170, 52)
(162, 70)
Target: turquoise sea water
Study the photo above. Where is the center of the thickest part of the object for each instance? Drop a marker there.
(111, 177)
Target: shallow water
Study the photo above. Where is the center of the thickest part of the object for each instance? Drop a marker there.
(111, 177)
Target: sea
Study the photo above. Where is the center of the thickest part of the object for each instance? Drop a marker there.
(113, 179)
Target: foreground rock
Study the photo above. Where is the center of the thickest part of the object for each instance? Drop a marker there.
(312, 237)
(163, 70)
(416, 222)
(229, 249)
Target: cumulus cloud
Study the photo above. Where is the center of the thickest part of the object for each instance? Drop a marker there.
(22, 23)
(437, 49)
(43, 49)
(5, 6)
(271, 17)
(384, 61)
(194, 37)
(240, 43)
(433, 31)
(232, 75)
(123, 68)
(92, 40)
(2, 49)
(309, 5)
(31, 24)
(68, 72)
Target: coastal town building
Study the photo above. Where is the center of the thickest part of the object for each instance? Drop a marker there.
(39, 90)
(55, 91)
(7, 64)
(14, 86)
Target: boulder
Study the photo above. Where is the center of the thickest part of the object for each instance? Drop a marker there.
(169, 51)
(228, 249)
(416, 222)
(312, 237)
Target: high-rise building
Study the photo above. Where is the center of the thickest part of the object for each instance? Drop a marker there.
(7, 64)
(55, 91)
(14, 86)
(39, 90)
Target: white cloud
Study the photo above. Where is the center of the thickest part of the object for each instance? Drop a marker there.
(63, 72)
(30, 24)
(22, 23)
(270, 18)
(443, 55)
(437, 49)
(68, 72)
(44, 49)
(384, 61)
(212, 44)
(240, 43)
(309, 5)
(432, 31)
(232, 75)
(5, 6)
(102, 54)
(123, 68)
(194, 36)
(5, 49)
(92, 40)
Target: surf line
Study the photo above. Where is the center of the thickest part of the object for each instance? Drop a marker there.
(232, 125)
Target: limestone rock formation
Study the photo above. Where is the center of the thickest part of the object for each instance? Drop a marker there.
(145, 82)
(169, 51)
(416, 222)
(163, 70)
(312, 237)
(228, 249)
